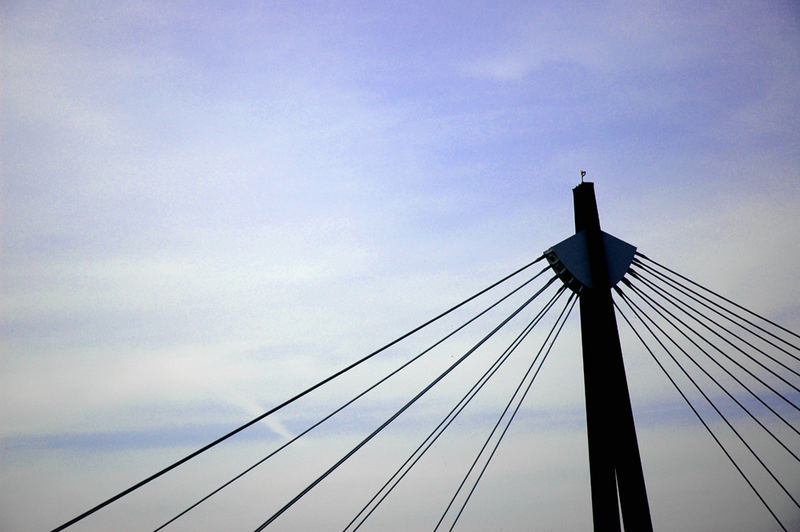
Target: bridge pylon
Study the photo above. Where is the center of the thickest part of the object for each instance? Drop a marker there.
(591, 262)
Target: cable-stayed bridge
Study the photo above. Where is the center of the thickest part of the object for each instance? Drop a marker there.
(737, 372)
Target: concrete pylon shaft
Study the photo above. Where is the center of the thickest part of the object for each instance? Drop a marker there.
(614, 461)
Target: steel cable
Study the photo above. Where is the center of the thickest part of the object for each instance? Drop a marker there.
(691, 406)
(258, 418)
(700, 298)
(450, 417)
(513, 414)
(651, 303)
(653, 286)
(728, 393)
(345, 405)
(401, 410)
(713, 405)
(502, 415)
(730, 302)
(743, 322)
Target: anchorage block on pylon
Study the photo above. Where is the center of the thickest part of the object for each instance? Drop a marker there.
(569, 259)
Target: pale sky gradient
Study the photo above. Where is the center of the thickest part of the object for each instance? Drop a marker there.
(208, 206)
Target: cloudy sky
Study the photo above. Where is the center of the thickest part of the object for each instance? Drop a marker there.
(208, 206)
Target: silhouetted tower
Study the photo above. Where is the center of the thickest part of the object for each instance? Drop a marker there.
(591, 262)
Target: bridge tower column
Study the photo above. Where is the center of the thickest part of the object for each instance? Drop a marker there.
(615, 467)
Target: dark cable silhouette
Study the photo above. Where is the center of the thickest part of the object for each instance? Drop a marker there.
(401, 410)
(514, 413)
(683, 306)
(653, 284)
(691, 406)
(729, 394)
(784, 329)
(285, 403)
(502, 414)
(348, 403)
(695, 296)
(655, 304)
(451, 416)
(713, 405)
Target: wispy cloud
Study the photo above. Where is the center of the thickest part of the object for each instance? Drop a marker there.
(207, 208)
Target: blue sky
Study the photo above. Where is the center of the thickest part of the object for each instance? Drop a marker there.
(207, 206)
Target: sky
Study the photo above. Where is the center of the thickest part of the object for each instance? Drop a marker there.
(207, 207)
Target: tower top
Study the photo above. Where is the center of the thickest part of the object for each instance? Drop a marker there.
(586, 217)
